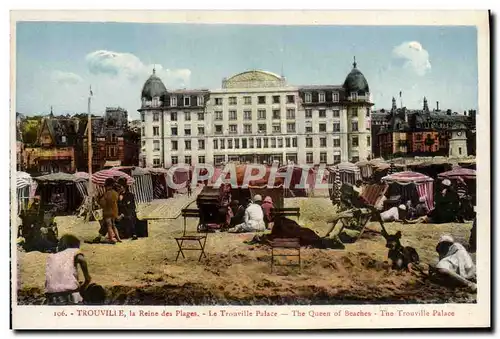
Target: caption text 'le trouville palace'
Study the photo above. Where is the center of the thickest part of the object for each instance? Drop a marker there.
(256, 117)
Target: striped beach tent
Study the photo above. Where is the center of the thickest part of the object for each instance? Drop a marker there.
(24, 189)
(142, 186)
(349, 173)
(159, 181)
(99, 178)
(411, 184)
(334, 183)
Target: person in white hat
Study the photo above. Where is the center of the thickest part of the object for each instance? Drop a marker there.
(254, 218)
(455, 265)
(394, 214)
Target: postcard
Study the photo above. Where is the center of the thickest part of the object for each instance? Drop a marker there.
(250, 169)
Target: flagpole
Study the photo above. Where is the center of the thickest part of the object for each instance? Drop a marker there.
(401, 99)
(89, 151)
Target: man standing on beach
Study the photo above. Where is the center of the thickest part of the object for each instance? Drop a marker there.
(109, 205)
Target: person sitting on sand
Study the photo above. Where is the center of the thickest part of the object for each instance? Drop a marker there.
(267, 206)
(394, 214)
(61, 273)
(253, 219)
(238, 213)
(455, 265)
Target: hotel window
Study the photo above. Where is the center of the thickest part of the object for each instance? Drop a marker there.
(354, 126)
(187, 116)
(219, 159)
(247, 129)
(232, 115)
(309, 142)
(201, 116)
(222, 143)
(233, 129)
(266, 143)
(230, 143)
(280, 142)
(236, 143)
(200, 100)
(336, 142)
(276, 114)
(259, 143)
(290, 113)
(173, 116)
(247, 100)
(143, 143)
(322, 127)
(187, 145)
(156, 130)
(309, 158)
(308, 98)
(322, 142)
(156, 145)
(354, 96)
(187, 131)
(367, 112)
(156, 116)
(309, 129)
(216, 143)
(355, 141)
(273, 142)
(336, 113)
(232, 100)
(354, 112)
(322, 158)
(322, 113)
(173, 101)
(201, 130)
(321, 97)
(143, 117)
(244, 143)
(309, 113)
(290, 127)
(368, 141)
(173, 131)
(335, 96)
(218, 115)
(187, 159)
(156, 162)
(262, 128)
(201, 144)
(287, 142)
(201, 159)
(336, 127)
(336, 158)
(276, 128)
(294, 142)
(175, 160)
(247, 115)
(261, 113)
(218, 101)
(290, 99)
(250, 143)
(218, 129)
(276, 99)
(175, 145)
(187, 101)
(261, 100)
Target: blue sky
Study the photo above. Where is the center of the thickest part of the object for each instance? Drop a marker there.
(57, 62)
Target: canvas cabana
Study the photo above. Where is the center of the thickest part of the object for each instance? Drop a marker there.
(161, 190)
(99, 179)
(142, 186)
(464, 173)
(411, 186)
(60, 184)
(343, 173)
(25, 189)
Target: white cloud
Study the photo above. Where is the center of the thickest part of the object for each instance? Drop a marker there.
(129, 66)
(66, 78)
(416, 57)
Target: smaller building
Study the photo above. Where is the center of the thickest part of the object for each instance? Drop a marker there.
(54, 149)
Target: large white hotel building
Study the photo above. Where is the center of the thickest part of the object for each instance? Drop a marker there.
(256, 117)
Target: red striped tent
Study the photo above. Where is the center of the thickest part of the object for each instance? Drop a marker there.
(464, 173)
(99, 178)
(411, 181)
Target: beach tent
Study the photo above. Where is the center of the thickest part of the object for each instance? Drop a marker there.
(464, 173)
(159, 180)
(63, 184)
(411, 186)
(142, 186)
(343, 173)
(25, 189)
(99, 178)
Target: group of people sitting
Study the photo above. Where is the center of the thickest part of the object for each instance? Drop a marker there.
(119, 214)
(254, 216)
(451, 205)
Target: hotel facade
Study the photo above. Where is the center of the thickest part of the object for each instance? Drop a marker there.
(256, 117)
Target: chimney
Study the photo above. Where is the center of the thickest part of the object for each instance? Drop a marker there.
(437, 105)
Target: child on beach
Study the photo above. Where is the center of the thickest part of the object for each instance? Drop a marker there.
(61, 273)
